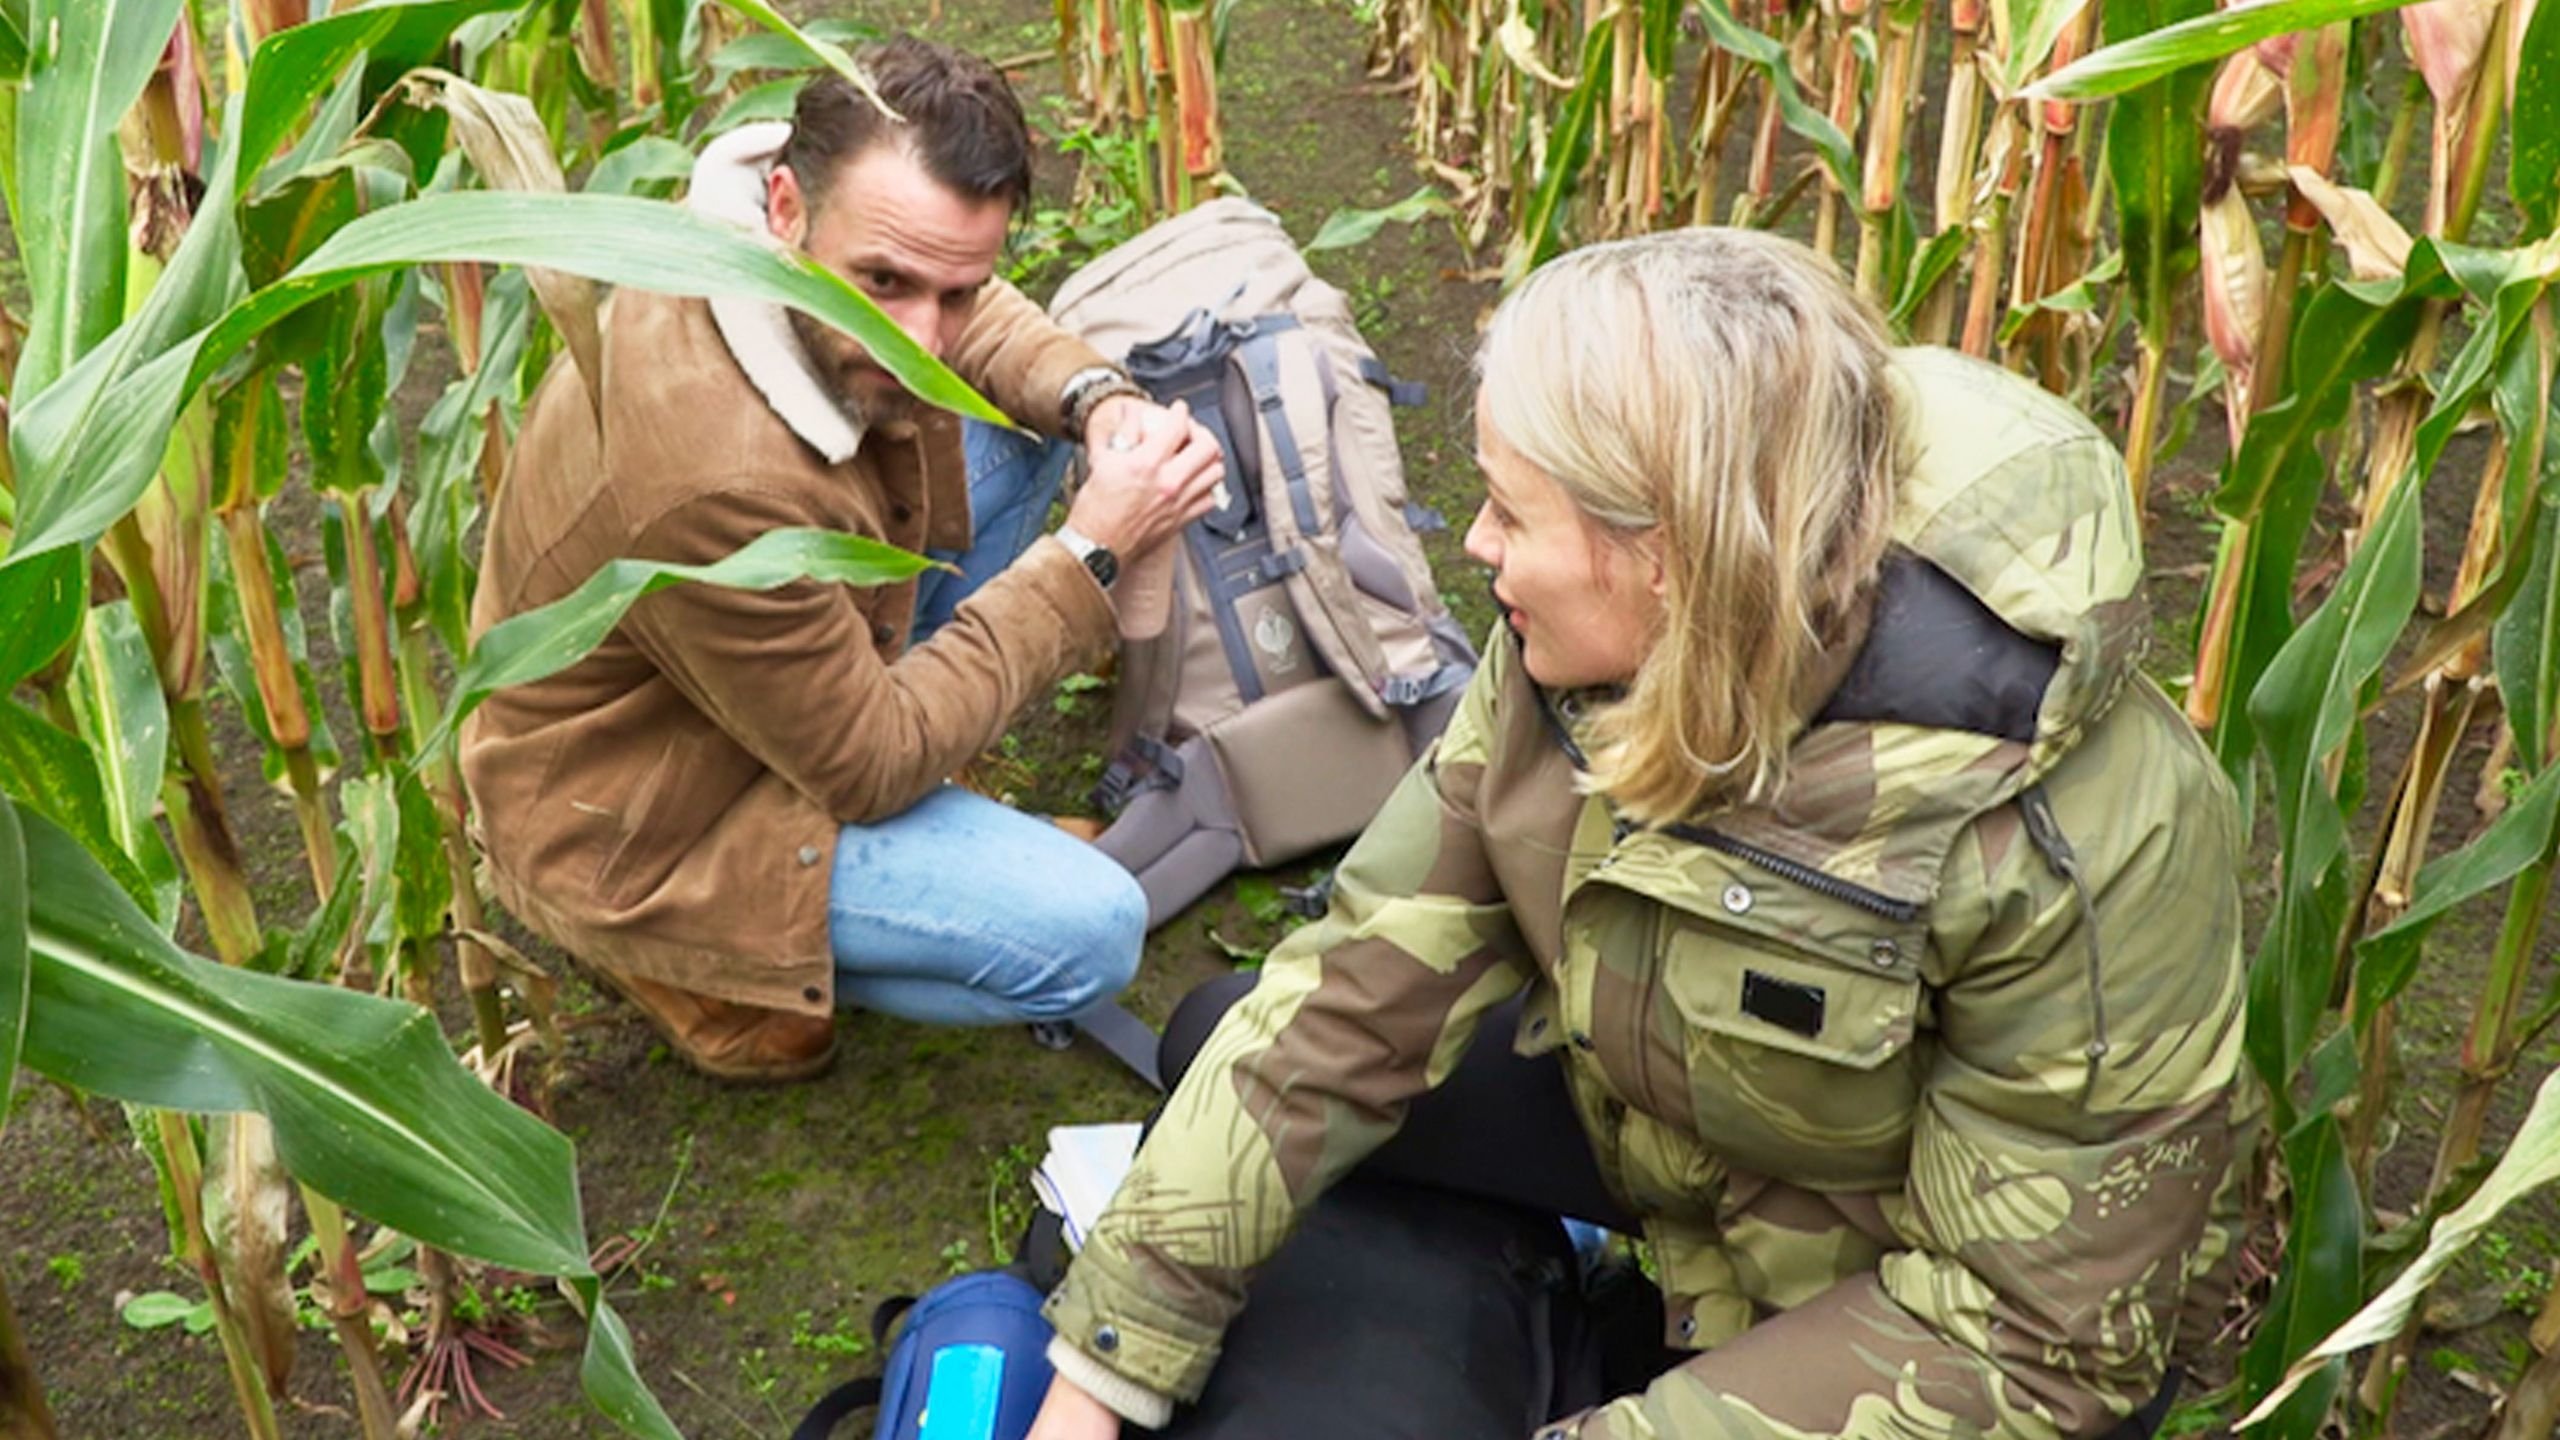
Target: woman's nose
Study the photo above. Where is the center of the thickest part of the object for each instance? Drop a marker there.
(1482, 545)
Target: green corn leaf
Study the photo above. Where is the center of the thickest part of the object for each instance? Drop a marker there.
(2304, 710)
(98, 462)
(2388, 959)
(2207, 38)
(770, 50)
(610, 1373)
(2317, 1281)
(2077, 298)
(2345, 335)
(1541, 232)
(548, 640)
(2525, 643)
(2531, 1162)
(2028, 31)
(426, 885)
(1344, 229)
(649, 160)
(372, 828)
(15, 975)
(368, 1105)
(820, 54)
(1936, 259)
(446, 499)
(771, 100)
(2533, 160)
(1769, 55)
(124, 723)
(90, 63)
(50, 773)
(2155, 160)
(1661, 26)
(44, 602)
(13, 44)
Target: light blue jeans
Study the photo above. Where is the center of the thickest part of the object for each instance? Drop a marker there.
(962, 911)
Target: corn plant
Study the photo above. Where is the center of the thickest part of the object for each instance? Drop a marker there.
(225, 274)
(1148, 69)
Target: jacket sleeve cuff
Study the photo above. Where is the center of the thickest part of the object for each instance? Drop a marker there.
(1150, 1345)
(1127, 1398)
(1070, 589)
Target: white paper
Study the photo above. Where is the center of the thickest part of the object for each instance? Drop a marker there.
(1083, 1168)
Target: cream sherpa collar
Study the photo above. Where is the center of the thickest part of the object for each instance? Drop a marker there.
(729, 185)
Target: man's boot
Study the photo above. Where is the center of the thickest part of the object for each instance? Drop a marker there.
(727, 1041)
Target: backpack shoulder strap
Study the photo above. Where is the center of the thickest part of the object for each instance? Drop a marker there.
(1292, 384)
(1130, 1040)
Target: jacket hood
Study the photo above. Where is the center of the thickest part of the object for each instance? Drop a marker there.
(2015, 496)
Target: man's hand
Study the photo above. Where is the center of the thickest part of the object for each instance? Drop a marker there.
(1149, 479)
(1070, 1414)
(1118, 413)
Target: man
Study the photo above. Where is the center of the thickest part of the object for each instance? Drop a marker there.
(735, 810)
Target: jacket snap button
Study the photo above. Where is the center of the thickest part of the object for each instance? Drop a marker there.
(881, 634)
(1581, 1042)
(1688, 1327)
(1537, 1027)
(1884, 953)
(1737, 898)
(1106, 1339)
(808, 854)
(813, 994)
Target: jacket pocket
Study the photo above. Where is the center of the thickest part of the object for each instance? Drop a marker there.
(1799, 1066)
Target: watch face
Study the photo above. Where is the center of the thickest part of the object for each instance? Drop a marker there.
(1104, 565)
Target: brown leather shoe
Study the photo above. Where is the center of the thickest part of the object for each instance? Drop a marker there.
(727, 1041)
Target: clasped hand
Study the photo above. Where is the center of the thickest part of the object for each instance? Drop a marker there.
(1153, 470)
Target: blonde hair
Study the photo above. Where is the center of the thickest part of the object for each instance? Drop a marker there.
(1724, 390)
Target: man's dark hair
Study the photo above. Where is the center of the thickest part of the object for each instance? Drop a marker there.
(962, 122)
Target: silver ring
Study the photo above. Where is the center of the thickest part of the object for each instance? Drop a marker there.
(1122, 442)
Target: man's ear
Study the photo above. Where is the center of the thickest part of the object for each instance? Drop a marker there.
(786, 208)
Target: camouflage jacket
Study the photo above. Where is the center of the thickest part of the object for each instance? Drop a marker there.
(1925, 1074)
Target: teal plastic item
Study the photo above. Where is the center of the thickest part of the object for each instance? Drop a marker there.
(964, 1394)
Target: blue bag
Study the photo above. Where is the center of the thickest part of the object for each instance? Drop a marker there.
(970, 1363)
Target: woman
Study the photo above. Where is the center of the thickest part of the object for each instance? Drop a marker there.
(1882, 918)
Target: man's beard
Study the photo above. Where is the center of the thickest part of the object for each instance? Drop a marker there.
(836, 359)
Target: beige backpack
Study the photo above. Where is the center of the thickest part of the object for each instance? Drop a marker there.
(1309, 658)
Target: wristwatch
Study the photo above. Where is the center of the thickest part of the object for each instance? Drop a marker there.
(1095, 556)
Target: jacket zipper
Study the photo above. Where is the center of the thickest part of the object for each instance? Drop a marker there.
(1820, 883)
(1899, 911)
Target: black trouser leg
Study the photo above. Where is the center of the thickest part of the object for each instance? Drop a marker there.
(1501, 1127)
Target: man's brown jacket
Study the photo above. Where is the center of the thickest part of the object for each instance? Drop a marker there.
(668, 806)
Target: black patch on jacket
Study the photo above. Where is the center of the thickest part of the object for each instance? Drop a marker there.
(1783, 1003)
(1937, 657)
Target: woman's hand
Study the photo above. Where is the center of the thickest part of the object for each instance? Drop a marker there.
(1070, 1414)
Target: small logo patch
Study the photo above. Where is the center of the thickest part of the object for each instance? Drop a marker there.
(1783, 1003)
(1274, 635)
